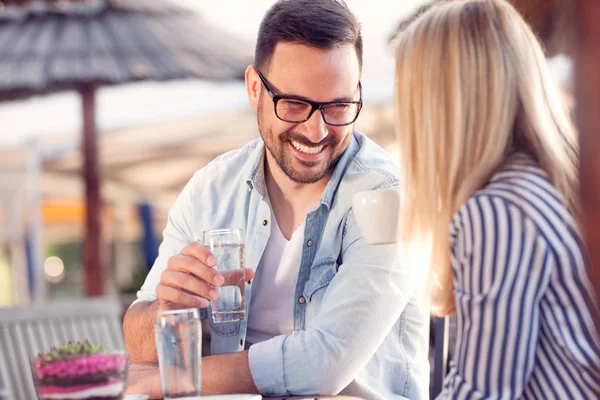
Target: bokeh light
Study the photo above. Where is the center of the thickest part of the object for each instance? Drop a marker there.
(54, 269)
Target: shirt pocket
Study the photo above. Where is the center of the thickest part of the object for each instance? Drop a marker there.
(226, 328)
(321, 274)
(222, 328)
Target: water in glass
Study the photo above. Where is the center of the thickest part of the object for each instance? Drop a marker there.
(179, 348)
(231, 305)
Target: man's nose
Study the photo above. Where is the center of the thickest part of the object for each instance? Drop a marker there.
(315, 128)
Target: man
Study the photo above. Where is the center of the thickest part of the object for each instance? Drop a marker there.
(326, 313)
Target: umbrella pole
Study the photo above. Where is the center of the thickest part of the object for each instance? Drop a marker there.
(95, 271)
(587, 77)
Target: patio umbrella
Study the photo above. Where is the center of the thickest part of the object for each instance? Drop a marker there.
(49, 46)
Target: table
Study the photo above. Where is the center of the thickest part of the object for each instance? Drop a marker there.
(312, 398)
(306, 398)
(144, 378)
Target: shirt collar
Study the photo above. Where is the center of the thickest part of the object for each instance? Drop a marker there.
(516, 160)
(339, 171)
(256, 178)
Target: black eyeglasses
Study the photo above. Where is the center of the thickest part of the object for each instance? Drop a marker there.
(297, 110)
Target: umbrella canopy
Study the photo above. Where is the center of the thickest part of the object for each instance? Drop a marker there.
(48, 46)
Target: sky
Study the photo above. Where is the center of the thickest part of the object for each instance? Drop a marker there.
(144, 103)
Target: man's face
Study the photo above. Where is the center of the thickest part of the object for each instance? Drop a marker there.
(308, 151)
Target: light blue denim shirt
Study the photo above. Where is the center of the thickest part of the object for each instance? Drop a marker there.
(359, 327)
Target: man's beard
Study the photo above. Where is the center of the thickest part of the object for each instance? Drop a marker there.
(277, 149)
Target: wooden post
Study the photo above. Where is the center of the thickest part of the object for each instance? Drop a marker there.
(587, 78)
(95, 270)
(35, 225)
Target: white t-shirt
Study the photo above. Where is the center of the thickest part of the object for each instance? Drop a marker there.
(274, 286)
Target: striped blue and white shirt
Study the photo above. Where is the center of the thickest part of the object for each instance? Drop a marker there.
(524, 303)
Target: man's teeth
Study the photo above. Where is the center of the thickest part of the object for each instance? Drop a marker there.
(307, 149)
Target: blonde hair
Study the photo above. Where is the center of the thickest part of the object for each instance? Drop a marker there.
(472, 85)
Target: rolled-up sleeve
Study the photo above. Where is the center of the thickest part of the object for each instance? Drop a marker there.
(359, 308)
(266, 366)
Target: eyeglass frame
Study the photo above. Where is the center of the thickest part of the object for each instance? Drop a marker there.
(314, 104)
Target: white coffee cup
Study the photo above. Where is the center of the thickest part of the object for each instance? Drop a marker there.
(376, 212)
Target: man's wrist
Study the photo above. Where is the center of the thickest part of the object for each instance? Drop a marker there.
(153, 308)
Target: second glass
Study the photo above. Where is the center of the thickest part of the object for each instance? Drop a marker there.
(227, 245)
(179, 346)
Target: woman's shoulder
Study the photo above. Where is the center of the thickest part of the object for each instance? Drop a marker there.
(519, 194)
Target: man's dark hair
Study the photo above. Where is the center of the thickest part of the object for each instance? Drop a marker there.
(323, 24)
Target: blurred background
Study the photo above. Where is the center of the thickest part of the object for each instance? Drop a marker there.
(111, 106)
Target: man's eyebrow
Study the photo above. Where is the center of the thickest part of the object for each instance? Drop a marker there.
(344, 99)
(341, 100)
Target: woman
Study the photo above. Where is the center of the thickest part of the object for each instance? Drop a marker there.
(489, 162)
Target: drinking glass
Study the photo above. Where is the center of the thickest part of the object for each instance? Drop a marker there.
(179, 346)
(227, 245)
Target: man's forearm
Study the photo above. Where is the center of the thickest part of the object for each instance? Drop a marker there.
(138, 329)
(227, 373)
(221, 374)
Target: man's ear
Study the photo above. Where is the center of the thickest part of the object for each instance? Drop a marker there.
(253, 86)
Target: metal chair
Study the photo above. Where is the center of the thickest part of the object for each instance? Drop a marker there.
(27, 331)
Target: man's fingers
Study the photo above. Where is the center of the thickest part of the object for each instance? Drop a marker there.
(249, 274)
(185, 263)
(177, 296)
(189, 283)
(201, 253)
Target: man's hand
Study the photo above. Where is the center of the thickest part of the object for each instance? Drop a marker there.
(186, 283)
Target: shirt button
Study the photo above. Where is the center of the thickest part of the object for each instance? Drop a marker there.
(309, 243)
(241, 342)
(265, 222)
(301, 300)
(249, 282)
